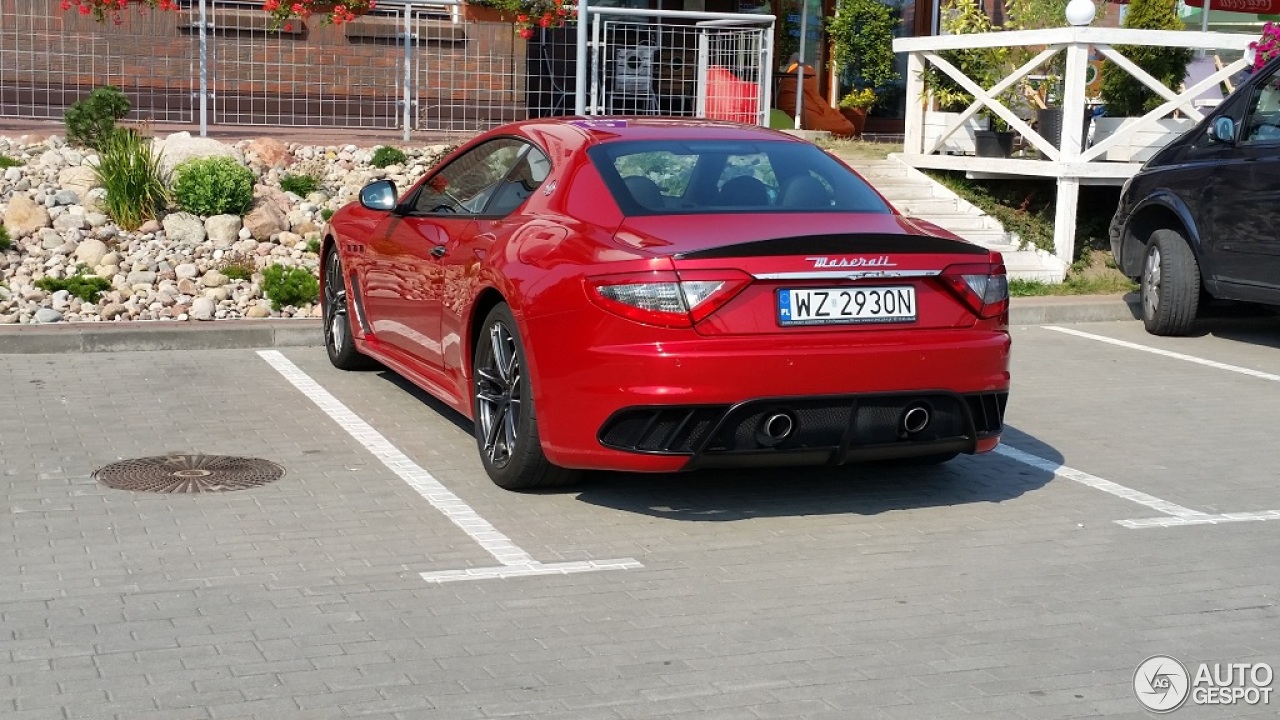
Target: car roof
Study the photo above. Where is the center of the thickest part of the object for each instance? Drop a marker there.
(594, 130)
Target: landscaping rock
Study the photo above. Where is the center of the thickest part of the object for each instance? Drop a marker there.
(223, 230)
(184, 228)
(91, 252)
(23, 216)
(180, 147)
(48, 315)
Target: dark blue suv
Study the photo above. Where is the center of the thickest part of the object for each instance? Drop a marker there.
(1202, 217)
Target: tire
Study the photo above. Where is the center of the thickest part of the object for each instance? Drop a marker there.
(506, 426)
(1170, 284)
(338, 340)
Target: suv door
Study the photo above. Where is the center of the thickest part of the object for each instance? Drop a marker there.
(1246, 194)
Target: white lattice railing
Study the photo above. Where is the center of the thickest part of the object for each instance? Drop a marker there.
(1070, 161)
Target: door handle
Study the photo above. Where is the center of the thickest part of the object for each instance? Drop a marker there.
(438, 251)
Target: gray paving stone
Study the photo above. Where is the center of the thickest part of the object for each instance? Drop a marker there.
(967, 591)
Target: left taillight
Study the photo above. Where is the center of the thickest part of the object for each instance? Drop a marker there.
(666, 298)
(983, 287)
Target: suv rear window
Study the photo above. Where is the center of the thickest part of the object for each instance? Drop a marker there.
(662, 177)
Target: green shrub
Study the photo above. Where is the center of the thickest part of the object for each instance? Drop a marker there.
(92, 121)
(1127, 96)
(300, 185)
(131, 175)
(213, 186)
(294, 286)
(325, 214)
(8, 162)
(85, 287)
(236, 266)
(384, 156)
(313, 246)
(5, 242)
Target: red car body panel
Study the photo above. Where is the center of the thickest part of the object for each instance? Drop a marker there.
(418, 310)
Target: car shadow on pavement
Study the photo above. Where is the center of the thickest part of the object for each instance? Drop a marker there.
(453, 416)
(1253, 324)
(862, 489)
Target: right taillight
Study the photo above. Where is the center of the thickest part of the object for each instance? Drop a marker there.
(983, 287)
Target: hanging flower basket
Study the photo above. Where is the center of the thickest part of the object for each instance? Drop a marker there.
(528, 15)
(101, 10)
(282, 12)
(476, 12)
(328, 12)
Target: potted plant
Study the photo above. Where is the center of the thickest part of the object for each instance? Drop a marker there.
(997, 139)
(495, 11)
(329, 12)
(527, 15)
(986, 66)
(855, 105)
(103, 9)
(1126, 98)
(282, 12)
(861, 36)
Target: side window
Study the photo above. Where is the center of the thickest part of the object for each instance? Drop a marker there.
(1262, 125)
(465, 186)
(530, 170)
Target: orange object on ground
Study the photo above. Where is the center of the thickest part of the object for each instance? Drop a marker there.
(816, 113)
(729, 98)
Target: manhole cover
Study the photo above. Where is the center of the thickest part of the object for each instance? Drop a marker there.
(189, 473)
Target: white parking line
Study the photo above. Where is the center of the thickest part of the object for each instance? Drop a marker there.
(1202, 520)
(1178, 516)
(1097, 483)
(1174, 515)
(1167, 353)
(515, 562)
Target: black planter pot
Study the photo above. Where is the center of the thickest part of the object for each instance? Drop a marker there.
(1049, 125)
(989, 143)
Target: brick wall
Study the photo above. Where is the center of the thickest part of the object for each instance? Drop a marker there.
(464, 75)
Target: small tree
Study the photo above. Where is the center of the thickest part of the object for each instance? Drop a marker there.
(861, 33)
(92, 121)
(1124, 94)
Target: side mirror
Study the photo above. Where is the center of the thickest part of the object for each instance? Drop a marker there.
(379, 195)
(1223, 130)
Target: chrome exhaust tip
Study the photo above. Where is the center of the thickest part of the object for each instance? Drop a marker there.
(775, 428)
(914, 419)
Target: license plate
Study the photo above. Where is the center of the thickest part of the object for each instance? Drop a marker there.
(822, 306)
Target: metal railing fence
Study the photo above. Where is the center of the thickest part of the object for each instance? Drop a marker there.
(410, 66)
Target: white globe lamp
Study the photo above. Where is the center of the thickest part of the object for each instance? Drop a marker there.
(1080, 12)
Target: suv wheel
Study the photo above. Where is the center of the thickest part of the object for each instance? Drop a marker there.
(1170, 284)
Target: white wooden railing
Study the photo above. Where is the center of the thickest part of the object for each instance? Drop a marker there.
(1070, 162)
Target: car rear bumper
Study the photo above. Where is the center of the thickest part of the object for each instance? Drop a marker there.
(824, 430)
(832, 382)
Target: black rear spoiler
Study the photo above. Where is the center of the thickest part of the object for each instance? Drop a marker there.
(839, 244)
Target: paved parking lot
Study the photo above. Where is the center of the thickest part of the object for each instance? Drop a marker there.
(1127, 517)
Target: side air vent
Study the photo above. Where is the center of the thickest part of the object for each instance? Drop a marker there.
(677, 431)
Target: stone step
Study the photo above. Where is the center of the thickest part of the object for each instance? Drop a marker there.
(1034, 265)
(898, 191)
(956, 222)
(917, 195)
(924, 207)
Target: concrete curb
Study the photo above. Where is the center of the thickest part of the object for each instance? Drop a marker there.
(238, 334)
(158, 335)
(1074, 309)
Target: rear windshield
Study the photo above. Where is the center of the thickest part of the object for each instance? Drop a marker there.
(663, 177)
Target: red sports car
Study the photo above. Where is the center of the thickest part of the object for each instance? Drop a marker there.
(658, 295)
